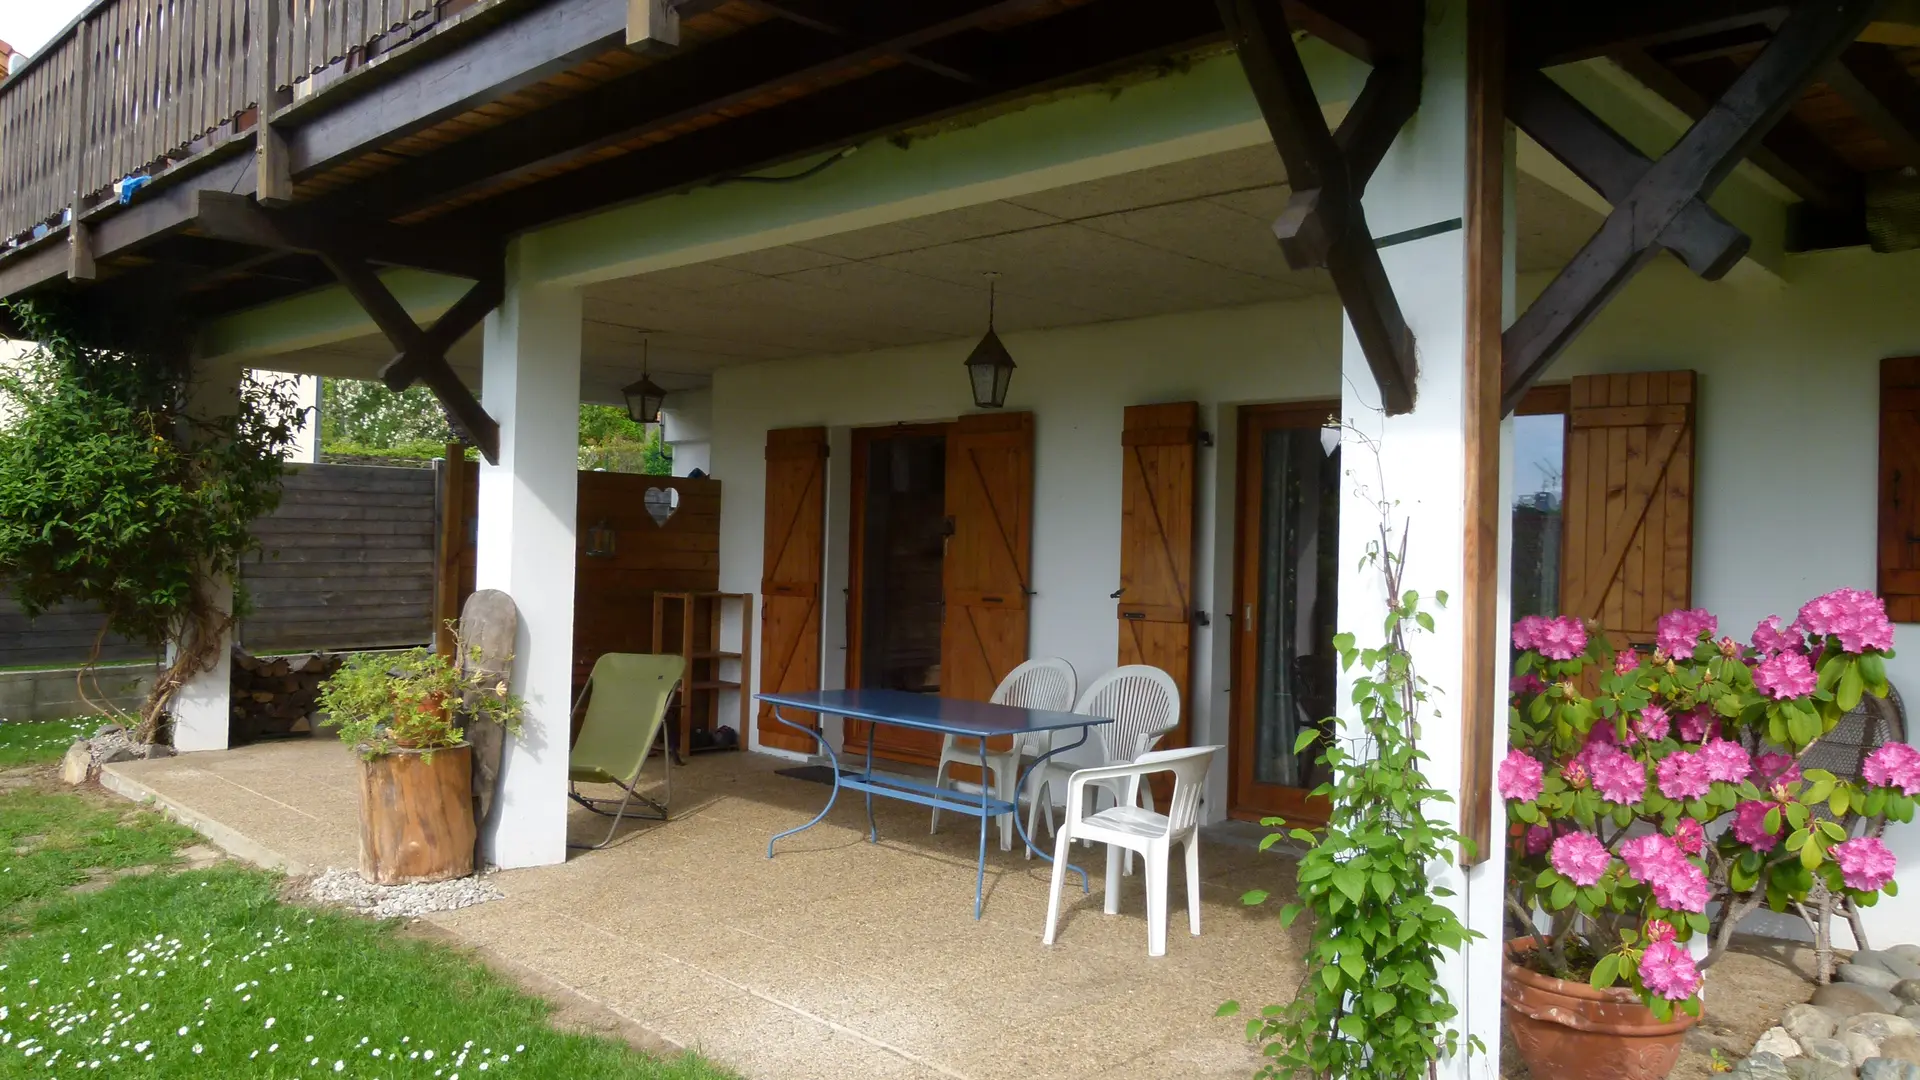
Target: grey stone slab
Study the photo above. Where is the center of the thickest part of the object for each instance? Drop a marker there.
(1889, 1069)
(1851, 1000)
(1805, 1022)
(1864, 975)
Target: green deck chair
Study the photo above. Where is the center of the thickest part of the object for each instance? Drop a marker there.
(627, 696)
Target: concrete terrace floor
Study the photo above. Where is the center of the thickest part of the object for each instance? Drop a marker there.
(837, 958)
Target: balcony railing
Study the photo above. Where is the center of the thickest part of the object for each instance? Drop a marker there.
(133, 86)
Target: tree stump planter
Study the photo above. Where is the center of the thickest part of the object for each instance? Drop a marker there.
(1567, 1030)
(416, 816)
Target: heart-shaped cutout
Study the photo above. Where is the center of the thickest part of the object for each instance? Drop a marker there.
(661, 503)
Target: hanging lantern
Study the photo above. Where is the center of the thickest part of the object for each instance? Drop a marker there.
(645, 397)
(990, 366)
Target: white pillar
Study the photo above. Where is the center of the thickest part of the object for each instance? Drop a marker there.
(202, 707)
(530, 373)
(1419, 468)
(686, 426)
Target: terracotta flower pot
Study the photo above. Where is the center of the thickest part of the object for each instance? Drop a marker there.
(1567, 1030)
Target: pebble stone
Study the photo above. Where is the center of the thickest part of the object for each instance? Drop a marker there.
(350, 890)
(1829, 1050)
(1809, 1022)
(1863, 975)
(1909, 1012)
(1908, 952)
(1902, 1047)
(1778, 1042)
(1908, 990)
(1889, 1069)
(1860, 1046)
(1879, 1026)
(1762, 1066)
(1889, 961)
(1805, 1068)
(1844, 1000)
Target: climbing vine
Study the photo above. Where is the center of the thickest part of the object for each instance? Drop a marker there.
(116, 495)
(1370, 1003)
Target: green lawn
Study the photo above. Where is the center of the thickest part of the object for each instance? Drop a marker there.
(205, 973)
(23, 743)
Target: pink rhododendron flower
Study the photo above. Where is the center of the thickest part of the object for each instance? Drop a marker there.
(1750, 826)
(1538, 839)
(1643, 854)
(1526, 684)
(1653, 724)
(1774, 769)
(1659, 930)
(1698, 724)
(1520, 776)
(1576, 775)
(1769, 638)
(1865, 863)
(1625, 662)
(1667, 969)
(1858, 618)
(1689, 837)
(1678, 632)
(1683, 775)
(1656, 861)
(1581, 857)
(1563, 638)
(1894, 765)
(1785, 675)
(1725, 760)
(1617, 776)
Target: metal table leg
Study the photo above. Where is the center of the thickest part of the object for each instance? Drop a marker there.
(873, 831)
(834, 760)
(1021, 825)
(980, 873)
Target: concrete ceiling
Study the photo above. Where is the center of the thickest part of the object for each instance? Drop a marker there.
(1181, 237)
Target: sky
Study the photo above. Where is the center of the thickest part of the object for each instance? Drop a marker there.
(27, 24)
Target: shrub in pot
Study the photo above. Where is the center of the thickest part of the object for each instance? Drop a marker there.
(401, 713)
(1657, 797)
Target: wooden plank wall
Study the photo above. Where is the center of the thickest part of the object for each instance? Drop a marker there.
(345, 562)
(60, 638)
(613, 593)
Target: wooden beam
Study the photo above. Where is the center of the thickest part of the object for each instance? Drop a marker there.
(653, 26)
(757, 61)
(1324, 223)
(80, 262)
(1608, 163)
(1809, 39)
(1878, 87)
(423, 352)
(1075, 45)
(1543, 35)
(241, 220)
(1375, 31)
(817, 16)
(1788, 151)
(1480, 697)
(538, 41)
(273, 171)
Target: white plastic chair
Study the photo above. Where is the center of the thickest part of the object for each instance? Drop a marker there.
(1049, 684)
(1144, 703)
(1131, 828)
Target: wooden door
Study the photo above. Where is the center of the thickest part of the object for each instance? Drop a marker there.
(1159, 446)
(1628, 525)
(988, 567)
(1899, 517)
(795, 537)
(1285, 578)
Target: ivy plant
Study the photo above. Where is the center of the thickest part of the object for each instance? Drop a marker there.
(1371, 1003)
(116, 495)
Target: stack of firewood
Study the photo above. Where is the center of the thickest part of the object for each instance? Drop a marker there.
(276, 695)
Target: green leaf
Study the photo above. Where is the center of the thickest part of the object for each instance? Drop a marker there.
(1811, 855)
(1253, 897)
(1305, 739)
(1852, 685)
(1383, 884)
(1606, 971)
(1227, 1008)
(1841, 802)
(1380, 1002)
(1331, 976)
(1290, 913)
(1355, 966)
(1351, 882)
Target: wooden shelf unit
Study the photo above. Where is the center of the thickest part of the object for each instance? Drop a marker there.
(692, 624)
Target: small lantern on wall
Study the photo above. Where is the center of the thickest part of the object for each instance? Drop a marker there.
(645, 397)
(990, 366)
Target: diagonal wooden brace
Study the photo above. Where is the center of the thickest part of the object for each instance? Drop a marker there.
(1642, 222)
(1708, 243)
(1323, 223)
(422, 354)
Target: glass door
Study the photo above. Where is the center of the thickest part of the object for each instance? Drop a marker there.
(1284, 610)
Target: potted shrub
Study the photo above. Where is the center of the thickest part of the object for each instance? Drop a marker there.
(400, 712)
(1657, 798)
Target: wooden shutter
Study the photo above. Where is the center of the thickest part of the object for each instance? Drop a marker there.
(988, 567)
(1628, 509)
(1160, 462)
(1899, 576)
(795, 525)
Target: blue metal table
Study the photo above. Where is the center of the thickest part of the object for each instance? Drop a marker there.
(978, 720)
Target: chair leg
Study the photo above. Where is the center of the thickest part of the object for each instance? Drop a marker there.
(1033, 814)
(1156, 860)
(1005, 776)
(1059, 882)
(1193, 884)
(1113, 879)
(939, 780)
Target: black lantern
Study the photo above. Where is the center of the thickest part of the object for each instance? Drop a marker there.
(644, 397)
(990, 367)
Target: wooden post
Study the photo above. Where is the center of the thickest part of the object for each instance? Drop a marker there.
(80, 265)
(452, 545)
(273, 184)
(1485, 296)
